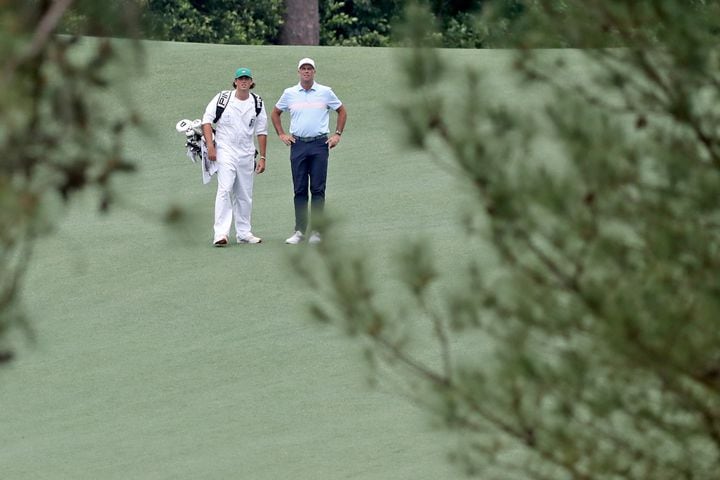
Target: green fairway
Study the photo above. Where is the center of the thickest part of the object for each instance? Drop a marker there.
(158, 356)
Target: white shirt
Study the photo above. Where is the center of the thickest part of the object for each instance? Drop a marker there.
(238, 125)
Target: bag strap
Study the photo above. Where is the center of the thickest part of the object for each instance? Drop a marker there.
(224, 99)
(258, 103)
(222, 103)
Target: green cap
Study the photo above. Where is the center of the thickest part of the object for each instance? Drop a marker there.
(243, 72)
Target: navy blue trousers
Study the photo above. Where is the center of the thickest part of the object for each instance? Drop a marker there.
(309, 164)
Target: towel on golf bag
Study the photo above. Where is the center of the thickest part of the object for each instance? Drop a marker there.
(209, 168)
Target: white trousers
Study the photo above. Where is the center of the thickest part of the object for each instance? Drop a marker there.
(235, 177)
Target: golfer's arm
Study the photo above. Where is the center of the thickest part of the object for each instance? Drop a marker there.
(341, 119)
(275, 118)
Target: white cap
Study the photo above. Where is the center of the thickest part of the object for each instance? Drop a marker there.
(306, 61)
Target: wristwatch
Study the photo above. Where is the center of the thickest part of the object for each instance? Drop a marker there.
(338, 132)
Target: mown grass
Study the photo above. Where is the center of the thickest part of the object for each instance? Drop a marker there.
(158, 356)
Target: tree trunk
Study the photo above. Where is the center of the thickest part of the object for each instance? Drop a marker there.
(302, 23)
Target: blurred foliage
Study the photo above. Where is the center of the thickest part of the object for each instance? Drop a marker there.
(55, 137)
(588, 347)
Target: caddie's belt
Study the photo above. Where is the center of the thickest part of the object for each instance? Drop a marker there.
(311, 139)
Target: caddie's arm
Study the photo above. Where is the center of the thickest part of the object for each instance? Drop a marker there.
(262, 147)
(208, 135)
(275, 118)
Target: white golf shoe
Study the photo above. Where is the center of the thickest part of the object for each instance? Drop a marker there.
(296, 238)
(315, 238)
(249, 238)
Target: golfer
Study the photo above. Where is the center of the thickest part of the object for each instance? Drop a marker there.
(309, 104)
(234, 151)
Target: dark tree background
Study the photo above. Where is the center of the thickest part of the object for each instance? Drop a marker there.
(301, 23)
(317, 22)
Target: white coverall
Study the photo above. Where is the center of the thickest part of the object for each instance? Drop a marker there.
(234, 140)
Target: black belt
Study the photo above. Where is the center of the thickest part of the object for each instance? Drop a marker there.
(311, 139)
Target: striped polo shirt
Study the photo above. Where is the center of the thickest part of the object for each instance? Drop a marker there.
(309, 109)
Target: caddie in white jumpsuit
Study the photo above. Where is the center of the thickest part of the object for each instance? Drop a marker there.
(234, 152)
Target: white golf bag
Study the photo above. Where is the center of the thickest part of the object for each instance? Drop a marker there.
(196, 148)
(193, 137)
